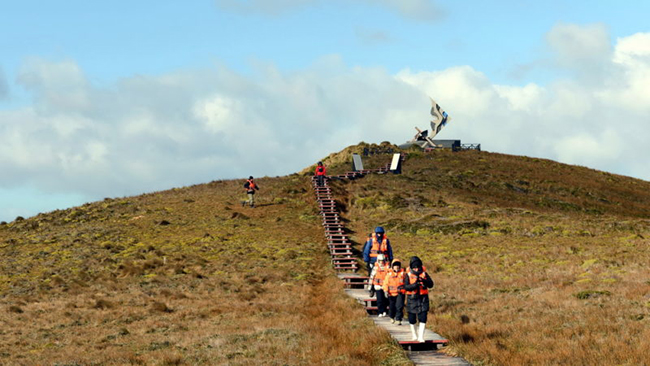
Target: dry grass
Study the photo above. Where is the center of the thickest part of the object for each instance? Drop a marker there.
(535, 262)
(180, 277)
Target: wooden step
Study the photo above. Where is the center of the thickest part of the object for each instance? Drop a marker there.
(341, 254)
(338, 236)
(344, 260)
(339, 245)
(347, 268)
(354, 281)
(338, 240)
(354, 269)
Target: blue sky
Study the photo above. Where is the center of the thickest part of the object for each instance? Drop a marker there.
(121, 98)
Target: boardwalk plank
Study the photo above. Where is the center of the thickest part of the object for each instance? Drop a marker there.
(356, 284)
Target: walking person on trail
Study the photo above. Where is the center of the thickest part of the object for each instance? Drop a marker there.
(376, 244)
(377, 277)
(250, 186)
(417, 283)
(320, 173)
(394, 291)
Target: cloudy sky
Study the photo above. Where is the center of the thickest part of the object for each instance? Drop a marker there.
(118, 98)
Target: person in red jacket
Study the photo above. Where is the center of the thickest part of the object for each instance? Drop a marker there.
(320, 173)
(417, 283)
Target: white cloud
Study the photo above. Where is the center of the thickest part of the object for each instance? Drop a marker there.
(633, 50)
(524, 99)
(456, 88)
(580, 46)
(629, 86)
(587, 147)
(599, 119)
(63, 84)
(147, 133)
(218, 114)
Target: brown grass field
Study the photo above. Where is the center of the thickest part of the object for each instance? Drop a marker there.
(181, 277)
(546, 263)
(535, 263)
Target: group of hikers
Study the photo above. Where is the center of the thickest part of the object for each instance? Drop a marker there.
(394, 286)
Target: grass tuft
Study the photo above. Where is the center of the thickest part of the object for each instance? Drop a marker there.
(161, 307)
(15, 309)
(103, 304)
(591, 294)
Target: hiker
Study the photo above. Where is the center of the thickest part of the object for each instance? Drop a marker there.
(417, 283)
(376, 282)
(394, 291)
(320, 174)
(250, 186)
(377, 243)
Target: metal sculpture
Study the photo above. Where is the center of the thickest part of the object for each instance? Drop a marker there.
(422, 138)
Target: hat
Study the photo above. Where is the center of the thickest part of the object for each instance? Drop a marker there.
(396, 262)
(379, 230)
(380, 257)
(320, 163)
(415, 262)
(251, 177)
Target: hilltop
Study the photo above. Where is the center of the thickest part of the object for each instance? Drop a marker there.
(535, 262)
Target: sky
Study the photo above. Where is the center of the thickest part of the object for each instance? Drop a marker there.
(113, 99)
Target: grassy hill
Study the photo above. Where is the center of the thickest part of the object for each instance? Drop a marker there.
(182, 277)
(535, 262)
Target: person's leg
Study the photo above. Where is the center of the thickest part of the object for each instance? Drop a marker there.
(391, 307)
(399, 308)
(413, 318)
(422, 317)
(412, 321)
(381, 302)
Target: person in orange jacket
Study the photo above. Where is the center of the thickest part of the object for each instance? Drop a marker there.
(377, 243)
(394, 291)
(417, 283)
(377, 277)
(250, 186)
(320, 173)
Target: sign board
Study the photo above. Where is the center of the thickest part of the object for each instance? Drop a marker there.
(357, 164)
(396, 164)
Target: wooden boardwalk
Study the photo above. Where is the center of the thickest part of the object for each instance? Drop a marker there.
(401, 333)
(340, 247)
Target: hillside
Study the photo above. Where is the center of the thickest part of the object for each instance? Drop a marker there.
(535, 263)
(182, 277)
